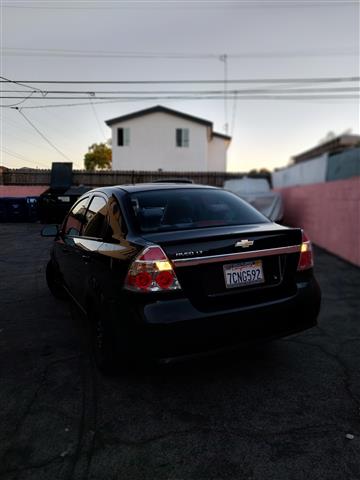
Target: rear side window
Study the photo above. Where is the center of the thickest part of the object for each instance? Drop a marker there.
(115, 230)
(178, 209)
(95, 218)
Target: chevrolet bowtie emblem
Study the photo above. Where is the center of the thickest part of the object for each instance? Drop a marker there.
(244, 243)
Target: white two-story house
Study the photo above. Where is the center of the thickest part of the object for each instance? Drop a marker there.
(162, 138)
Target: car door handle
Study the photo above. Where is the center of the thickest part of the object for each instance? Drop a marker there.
(87, 258)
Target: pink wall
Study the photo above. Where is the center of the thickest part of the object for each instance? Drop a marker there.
(22, 190)
(329, 213)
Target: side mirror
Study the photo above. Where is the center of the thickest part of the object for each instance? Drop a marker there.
(50, 231)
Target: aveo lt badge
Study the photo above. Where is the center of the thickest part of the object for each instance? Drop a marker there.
(244, 243)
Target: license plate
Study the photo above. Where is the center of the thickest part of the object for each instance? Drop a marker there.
(242, 274)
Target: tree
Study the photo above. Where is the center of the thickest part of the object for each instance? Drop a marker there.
(98, 157)
(261, 171)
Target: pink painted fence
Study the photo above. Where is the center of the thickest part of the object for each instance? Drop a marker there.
(329, 213)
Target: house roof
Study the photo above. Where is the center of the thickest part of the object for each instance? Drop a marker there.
(335, 145)
(169, 111)
(221, 135)
(22, 190)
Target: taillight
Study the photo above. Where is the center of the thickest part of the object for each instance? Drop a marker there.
(151, 271)
(306, 259)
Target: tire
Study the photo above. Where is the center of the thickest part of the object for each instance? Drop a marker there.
(53, 282)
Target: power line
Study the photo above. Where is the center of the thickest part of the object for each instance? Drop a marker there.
(18, 103)
(159, 93)
(248, 97)
(68, 53)
(114, 5)
(285, 89)
(224, 59)
(19, 125)
(189, 97)
(39, 52)
(164, 82)
(19, 138)
(14, 154)
(4, 79)
(97, 119)
(21, 157)
(42, 135)
(233, 116)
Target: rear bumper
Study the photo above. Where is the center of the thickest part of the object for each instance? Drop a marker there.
(175, 328)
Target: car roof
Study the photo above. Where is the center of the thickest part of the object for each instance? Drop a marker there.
(143, 187)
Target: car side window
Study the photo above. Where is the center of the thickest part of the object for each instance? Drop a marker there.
(115, 229)
(76, 218)
(95, 218)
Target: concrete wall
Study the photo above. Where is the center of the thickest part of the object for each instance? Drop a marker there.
(152, 145)
(344, 165)
(311, 171)
(329, 213)
(325, 168)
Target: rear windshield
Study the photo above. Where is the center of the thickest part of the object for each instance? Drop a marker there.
(178, 209)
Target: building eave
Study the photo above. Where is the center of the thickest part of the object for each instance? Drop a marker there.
(221, 135)
(158, 109)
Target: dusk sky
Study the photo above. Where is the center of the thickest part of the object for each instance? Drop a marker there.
(174, 40)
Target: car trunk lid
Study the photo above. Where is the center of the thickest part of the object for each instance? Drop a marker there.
(204, 257)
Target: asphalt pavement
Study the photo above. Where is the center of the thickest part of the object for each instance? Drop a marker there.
(290, 410)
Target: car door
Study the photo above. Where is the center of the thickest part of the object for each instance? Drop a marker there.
(109, 263)
(87, 246)
(115, 253)
(65, 248)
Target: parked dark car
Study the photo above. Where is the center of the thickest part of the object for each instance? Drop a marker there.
(168, 271)
(19, 209)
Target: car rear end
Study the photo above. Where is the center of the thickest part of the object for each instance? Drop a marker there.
(209, 281)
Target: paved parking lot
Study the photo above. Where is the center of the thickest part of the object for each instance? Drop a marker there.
(290, 410)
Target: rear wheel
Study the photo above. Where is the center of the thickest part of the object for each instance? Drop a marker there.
(114, 345)
(105, 341)
(53, 282)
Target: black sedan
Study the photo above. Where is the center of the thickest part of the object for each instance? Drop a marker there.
(177, 270)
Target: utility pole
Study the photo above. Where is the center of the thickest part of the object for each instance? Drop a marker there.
(224, 58)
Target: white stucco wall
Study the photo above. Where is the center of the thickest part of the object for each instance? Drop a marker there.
(152, 145)
(217, 154)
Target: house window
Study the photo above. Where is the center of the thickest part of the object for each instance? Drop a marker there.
(123, 137)
(182, 137)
